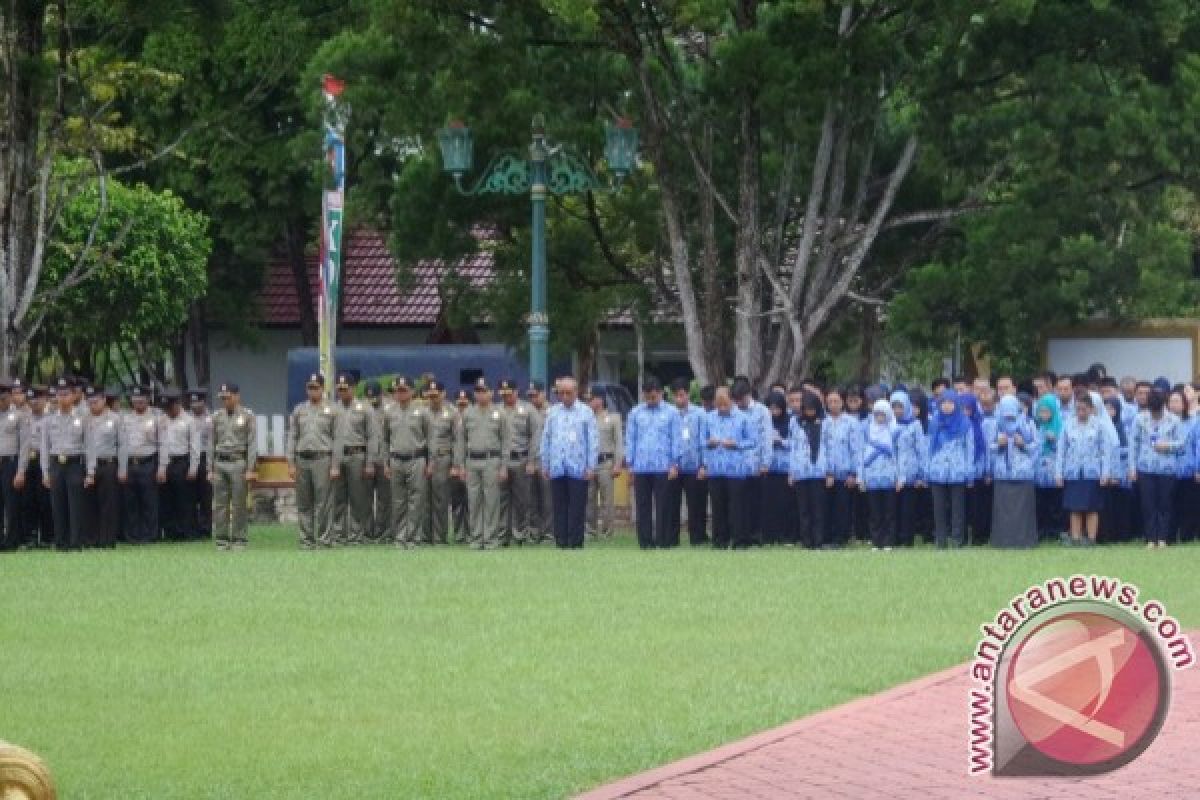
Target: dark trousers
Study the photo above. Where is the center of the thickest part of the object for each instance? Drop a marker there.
(1115, 524)
(1051, 519)
(695, 492)
(979, 512)
(37, 521)
(859, 515)
(753, 509)
(839, 501)
(202, 498)
(906, 515)
(177, 501)
(1186, 520)
(10, 498)
(650, 507)
(68, 503)
(778, 510)
(949, 502)
(103, 502)
(811, 501)
(1156, 494)
(881, 516)
(729, 512)
(570, 511)
(141, 502)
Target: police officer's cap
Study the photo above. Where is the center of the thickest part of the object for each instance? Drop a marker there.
(17, 385)
(435, 385)
(171, 396)
(62, 383)
(315, 379)
(92, 392)
(138, 391)
(507, 384)
(536, 386)
(345, 380)
(481, 385)
(400, 382)
(462, 395)
(373, 389)
(39, 391)
(228, 389)
(197, 395)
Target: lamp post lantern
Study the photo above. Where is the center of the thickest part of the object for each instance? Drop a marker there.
(548, 169)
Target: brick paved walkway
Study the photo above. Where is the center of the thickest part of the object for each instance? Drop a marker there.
(910, 742)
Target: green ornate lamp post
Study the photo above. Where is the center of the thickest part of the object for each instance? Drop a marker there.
(548, 169)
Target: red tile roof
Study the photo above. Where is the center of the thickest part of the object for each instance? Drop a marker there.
(370, 296)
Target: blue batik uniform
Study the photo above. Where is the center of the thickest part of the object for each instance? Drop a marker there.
(570, 441)
(1147, 432)
(1084, 452)
(764, 434)
(910, 447)
(953, 462)
(983, 466)
(1193, 450)
(1183, 461)
(879, 462)
(1011, 462)
(651, 433)
(689, 451)
(841, 438)
(781, 451)
(721, 462)
(1118, 463)
(1044, 475)
(801, 464)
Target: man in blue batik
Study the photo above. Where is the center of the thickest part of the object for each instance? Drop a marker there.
(689, 457)
(760, 455)
(569, 452)
(651, 433)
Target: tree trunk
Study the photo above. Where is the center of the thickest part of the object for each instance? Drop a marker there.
(714, 333)
(296, 236)
(748, 338)
(585, 355)
(197, 335)
(868, 349)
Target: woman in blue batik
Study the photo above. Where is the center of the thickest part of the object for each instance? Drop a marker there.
(779, 507)
(1081, 463)
(806, 471)
(950, 468)
(1157, 441)
(1185, 510)
(910, 448)
(841, 437)
(879, 476)
(923, 522)
(979, 495)
(1047, 416)
(1116, 523)
(1013, 444)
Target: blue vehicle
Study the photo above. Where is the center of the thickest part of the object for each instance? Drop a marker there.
(458, 366)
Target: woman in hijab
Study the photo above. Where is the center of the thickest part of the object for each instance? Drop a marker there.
(979, 496)
(923, 522)
(1081, 462)
(910, 447)
(806, 471)
(879, 476)
(778, 517)
(1186, 514)
(1014, 448)
(1115, 521)
(841, 439)
(950, 468)
(1048, 419)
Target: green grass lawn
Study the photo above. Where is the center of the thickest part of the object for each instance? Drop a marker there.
(179, 672)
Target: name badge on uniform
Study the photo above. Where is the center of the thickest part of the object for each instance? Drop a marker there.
(240, 422)
(62, 459)
(495, 415)
(77, 422)
(12, 417)
(416, 412)
(572, 436)
(150, 425)
(687, 434)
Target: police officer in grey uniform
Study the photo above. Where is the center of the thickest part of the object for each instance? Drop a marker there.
(516, 495)
(311, 442)
(358, 427)
(233, 456)
(144, 435)
(177, 497)
(105, 464)
(406, 433)
(482, 442)
(62, 451)
(381, 486)
(458, 486)
(202, 492)
(37, 523)
(443, 433)
(14, 446)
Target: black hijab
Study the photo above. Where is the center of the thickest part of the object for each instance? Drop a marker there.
(920, 402)
(777, 400)
(812, 425)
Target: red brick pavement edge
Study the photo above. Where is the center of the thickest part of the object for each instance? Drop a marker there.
(909, 741)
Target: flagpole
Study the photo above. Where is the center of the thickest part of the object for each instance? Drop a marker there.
(333, 197)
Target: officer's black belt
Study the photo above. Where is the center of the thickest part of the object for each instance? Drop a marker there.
(446, 451)
(604, 457)
(106, 461)
(483, 454)
(422, 453)
(33, 455)
(355, 450)
(5, 459)
(181, 455)
(314, 453)
(515, 454)
(142, 459)
(69, 459)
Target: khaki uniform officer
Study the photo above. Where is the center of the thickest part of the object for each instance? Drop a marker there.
(359, 433)
(232, 458)
(483, 439)
(520, 463)
(458, 484)
(144, 436)
(601, 498)
(311, 443)
(105, 464)
(14, 447)
(443, 433)
(542, 504)
(406, 431)
(381, 484)
(177, 498)
(202, 422)
(62, 453)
